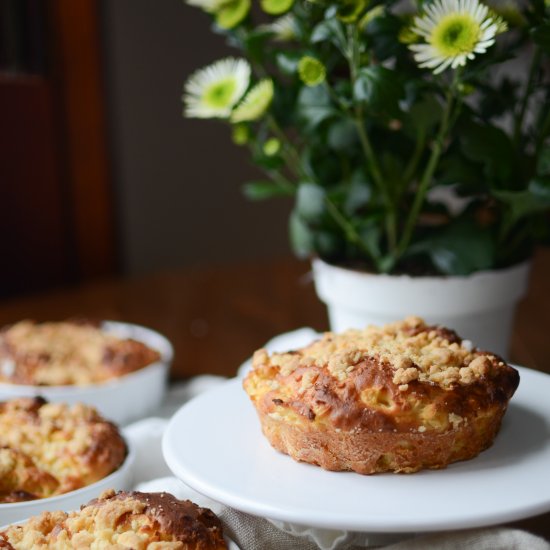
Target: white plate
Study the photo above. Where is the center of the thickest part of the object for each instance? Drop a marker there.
(129, 397)
(214, 444)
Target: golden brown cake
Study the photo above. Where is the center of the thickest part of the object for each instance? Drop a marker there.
(124, 520)
(399, 398)
(48, 449)
(63, 353)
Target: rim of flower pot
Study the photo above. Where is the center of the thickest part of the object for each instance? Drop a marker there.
(422, 295)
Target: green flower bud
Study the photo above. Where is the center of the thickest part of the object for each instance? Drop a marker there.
(465, 89)
(240, 134)
(407, 36)
(311, 71)
(271, 147)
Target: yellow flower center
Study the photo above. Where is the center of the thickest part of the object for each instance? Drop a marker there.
(312, 72)
(455, 34)
(220, 93)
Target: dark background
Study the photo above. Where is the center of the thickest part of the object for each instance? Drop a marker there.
(100, 175)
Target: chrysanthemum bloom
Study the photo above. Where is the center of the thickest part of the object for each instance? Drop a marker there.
(283, 28)
(209, 6)
(255, 103)
(276, 7)
(311, 71)
(455, 31)
(213, 91)
(232, 12)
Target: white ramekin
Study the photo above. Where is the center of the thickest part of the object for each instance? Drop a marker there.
(123, 399)
(120, 479)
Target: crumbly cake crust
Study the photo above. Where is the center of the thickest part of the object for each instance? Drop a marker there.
(400, 398)
(48, 449)
(67, 353)
(124, 520)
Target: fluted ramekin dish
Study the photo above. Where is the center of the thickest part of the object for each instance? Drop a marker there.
(123, 399)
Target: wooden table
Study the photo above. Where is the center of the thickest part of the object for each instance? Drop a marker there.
(216, 317)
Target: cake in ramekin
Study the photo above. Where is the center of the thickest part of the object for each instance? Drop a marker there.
(119, 368)
(68, 353)
(130, 520)
(49, 449)
(398, 398)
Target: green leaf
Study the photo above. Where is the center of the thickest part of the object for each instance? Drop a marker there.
(330, 30)
(460, 248)
(392, 167)
(325, 168)
(254, 44)
(310, 202)
(380, 88)
(534, 199)
(301, 236)
(342, 134)
(455, 169)
(327, 244)
(267, 162)
(261, 190)
(358, 194)
(287, 61)
(426, 114)
(383, 35)
(314, 106)
(541, 36)
(491, 147)
(543, 163)
(370, 233)
(497, 101)
(232, 13)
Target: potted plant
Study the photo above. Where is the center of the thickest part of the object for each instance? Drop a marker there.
(413, 137)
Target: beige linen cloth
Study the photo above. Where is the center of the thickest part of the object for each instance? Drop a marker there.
(254, 533)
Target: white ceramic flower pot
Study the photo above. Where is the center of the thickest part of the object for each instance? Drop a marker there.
(480, 307)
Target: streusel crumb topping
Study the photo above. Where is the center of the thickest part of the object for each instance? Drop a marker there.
(121, 521)
(413, 349)
(61, 353)
(52, 448)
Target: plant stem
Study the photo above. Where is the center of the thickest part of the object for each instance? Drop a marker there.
(346, 227)
(535, 62)
(543, 133)
(366, 145)
(415, 158)
(290, 154)
(283, 182)
(294, 163)
(427, 175)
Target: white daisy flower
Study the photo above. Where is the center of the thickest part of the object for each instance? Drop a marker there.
(209, 6)
(455, 31)
(283, 28)
(255, 103)
(213, 91)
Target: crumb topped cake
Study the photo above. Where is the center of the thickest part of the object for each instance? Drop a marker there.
(67, 353)
(124, 520)
(400, 398)
(48, 449)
